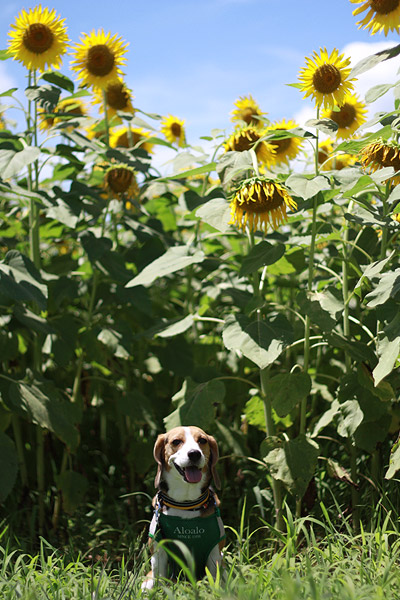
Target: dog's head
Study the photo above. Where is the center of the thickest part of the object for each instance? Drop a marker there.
(189, 451)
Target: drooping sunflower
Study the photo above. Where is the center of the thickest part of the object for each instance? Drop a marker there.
(328, 160)
(286, 148)
(69, 107)
(260, 202)
(98, 59)
(173, 129)
(128, 138)
(382, 15)
(326, 78)
(38, 38)
(118, 97)
(249, 137)
(349, 116)
(247, 110)
(380, 154)
(121, 180)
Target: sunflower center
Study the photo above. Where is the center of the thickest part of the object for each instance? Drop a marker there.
(384, 7)
(245, 142)
(119, 180)
(117, 98)
(264, 201)
(327, 79)
(281, 145)
(247, 115)
(38, 38)
(100, 60)
(176, 129)
(345, 116)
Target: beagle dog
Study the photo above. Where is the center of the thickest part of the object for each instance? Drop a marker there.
(186, 508)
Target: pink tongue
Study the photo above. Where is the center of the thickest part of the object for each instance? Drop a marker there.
(193, 474)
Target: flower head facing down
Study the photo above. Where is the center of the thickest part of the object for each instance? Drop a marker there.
(349, 116)
(117, 97)
(247, 110)
(174, 131)
(260, 202)
(249, 137)
(121, 180)
(326, 78)
(38, 39)
(380, 154)
(382, 15)
(286, 148)
(98, 59)
(124, 137)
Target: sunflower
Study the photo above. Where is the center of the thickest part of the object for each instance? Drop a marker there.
(247, 110)
(382, 15)
(380, 154)
(326, 78)
(69, 107)
(260, 202)
(118, 97)
(39, 38)
(249, 137)
(173, 129)
(349, 116)
(328, 160)
(98, 59)
(128, 138)
(121, 180)
(285, 148)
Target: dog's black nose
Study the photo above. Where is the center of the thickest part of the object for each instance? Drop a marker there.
(194, 455)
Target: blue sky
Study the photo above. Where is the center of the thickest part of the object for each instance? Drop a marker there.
(194, 58)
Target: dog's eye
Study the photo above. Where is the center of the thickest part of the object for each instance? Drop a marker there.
(202, 441)
(176, 442)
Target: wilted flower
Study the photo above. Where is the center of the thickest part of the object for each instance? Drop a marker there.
(120, 179)
(260, 202)
(380, 154)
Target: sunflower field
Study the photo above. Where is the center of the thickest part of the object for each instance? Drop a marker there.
(254, 292)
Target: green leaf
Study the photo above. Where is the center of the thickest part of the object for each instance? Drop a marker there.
(21, 281)
(232, 163)
(60, 80)
(291, 461)
(8, 465)
(260, 255)
(217, 213)
(255, 413)
(175, 259)
(373, 269)
(325, 125)
(195, 404)
(8, 92)
(326, 418)
(63, 213)
(377, 91)
(43, 406)
(358, 351)
(394, 463)
(323, 308)
(176, 327)
(369, 434)
(371, 61)
(261, 341)
(350, 417)
(388, 286)
(73, 488)
(11, 162)
(335, 470)
(47, 96)
(388, 350)
(307, 187)
(191, 172)
(286, 390)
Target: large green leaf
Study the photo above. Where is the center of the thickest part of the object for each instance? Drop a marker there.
(232, 164)
(8, 465)
(260, 255)
(43, 406)
(59, 79)
(394, 463)
(324, 308)
(350, 417)
(291, 461)
(388, 350)
(261, 341)
(388, 286)
(175, 259)
(325, 125)
(306, 187)
(215, 212)
(286, 390)
(371, 61)
(47, 96)
(196, 404)
(21, 281)
(11, 162)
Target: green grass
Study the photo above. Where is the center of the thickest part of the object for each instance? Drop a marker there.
(311, 560)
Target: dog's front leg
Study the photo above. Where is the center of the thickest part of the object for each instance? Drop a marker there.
(214, 560)
(159, 568)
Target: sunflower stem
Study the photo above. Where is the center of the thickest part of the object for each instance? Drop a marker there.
(106, 122)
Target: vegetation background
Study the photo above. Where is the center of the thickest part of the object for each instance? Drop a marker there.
(251, 288)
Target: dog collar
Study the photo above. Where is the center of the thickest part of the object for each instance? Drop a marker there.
(203, 500)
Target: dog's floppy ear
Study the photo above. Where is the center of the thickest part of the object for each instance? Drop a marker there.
(158, 454)
(213, 460)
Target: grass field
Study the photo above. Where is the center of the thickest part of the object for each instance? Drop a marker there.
(311, 560)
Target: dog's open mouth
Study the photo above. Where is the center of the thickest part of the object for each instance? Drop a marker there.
(190, 474)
